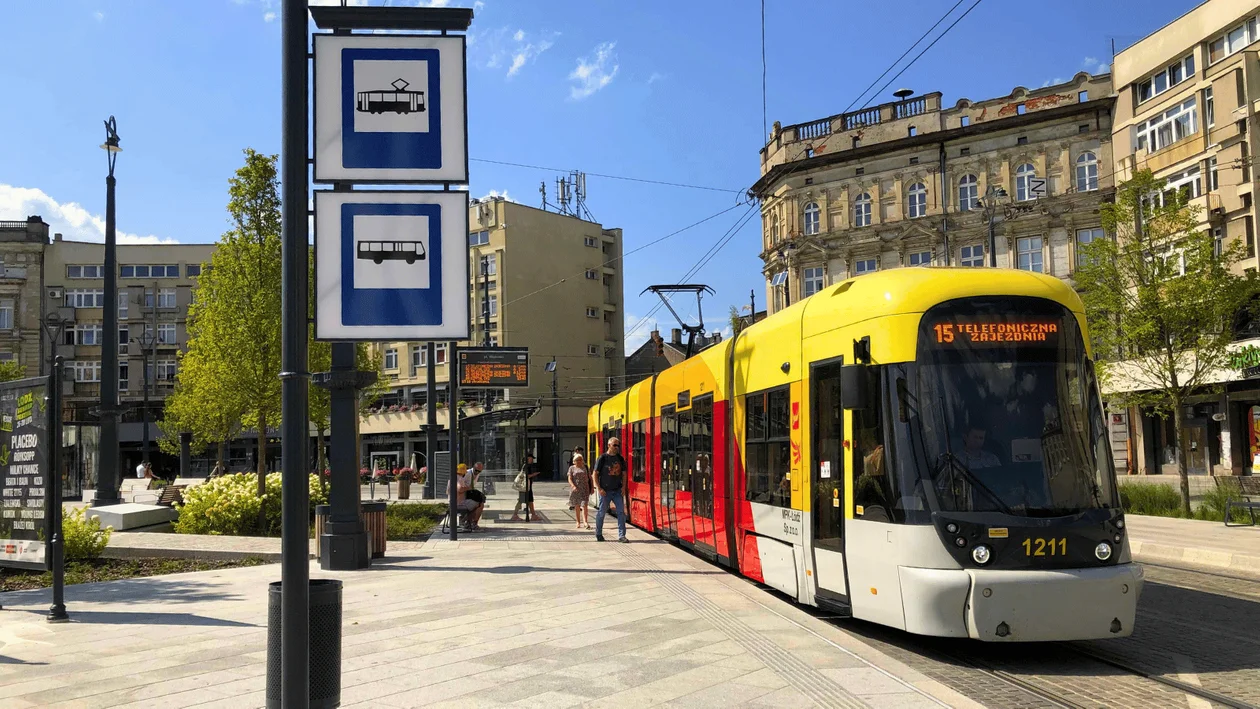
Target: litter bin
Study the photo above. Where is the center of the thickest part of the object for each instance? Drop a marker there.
(374, 525)
(325, 644)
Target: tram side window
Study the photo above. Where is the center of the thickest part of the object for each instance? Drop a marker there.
(682, 450)
(638, 451)
(767, 455)
(872, 491)
(702, 432)
(592, 450)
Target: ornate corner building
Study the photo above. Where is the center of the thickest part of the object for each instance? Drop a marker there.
(910, 183)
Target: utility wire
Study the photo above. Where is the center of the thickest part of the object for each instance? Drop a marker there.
(665, 183)
(903, 55)
(765, 131)
(925, 49)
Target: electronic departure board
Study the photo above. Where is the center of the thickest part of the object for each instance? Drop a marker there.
(494, 367)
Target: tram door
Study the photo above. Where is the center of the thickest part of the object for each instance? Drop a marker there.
(702, 471)
(668, 518)
(827, 480)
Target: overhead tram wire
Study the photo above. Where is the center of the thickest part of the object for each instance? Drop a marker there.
(663, 183)
(765, 131)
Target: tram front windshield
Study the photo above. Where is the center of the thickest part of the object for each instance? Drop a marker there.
(1001, 412)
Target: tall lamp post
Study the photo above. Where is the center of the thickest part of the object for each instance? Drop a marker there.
(147, 341)
(55, 327)
(108, 478)
(993, 202)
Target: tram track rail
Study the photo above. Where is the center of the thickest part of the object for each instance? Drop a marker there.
(1188, 688)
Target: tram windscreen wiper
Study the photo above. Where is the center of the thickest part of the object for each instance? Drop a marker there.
(959, 466)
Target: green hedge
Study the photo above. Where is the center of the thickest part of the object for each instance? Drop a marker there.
(228, 505)
(83, 536)
(1162, 500)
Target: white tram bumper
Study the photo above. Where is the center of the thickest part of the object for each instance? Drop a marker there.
(1024, 605)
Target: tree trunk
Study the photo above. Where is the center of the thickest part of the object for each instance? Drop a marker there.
(1182, 472)
(261, 465)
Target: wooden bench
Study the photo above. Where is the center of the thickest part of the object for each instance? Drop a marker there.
(1244, 493)
(170, 496)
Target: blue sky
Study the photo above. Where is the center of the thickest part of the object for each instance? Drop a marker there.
(650, 89)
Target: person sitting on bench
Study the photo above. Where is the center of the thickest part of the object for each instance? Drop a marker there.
(466, 506)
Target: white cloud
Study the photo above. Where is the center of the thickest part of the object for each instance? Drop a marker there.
(594, 72)
(69, 218)
(434, 3)
(1094, 66)
(495, 194)
(478, 5)
(638, 330)
(519, 36)
(504, 47)
(269, 17)
(655, 77)
(100, 16)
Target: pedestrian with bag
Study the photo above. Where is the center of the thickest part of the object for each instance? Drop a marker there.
(610, 483)
(525, 480)
(580, 491)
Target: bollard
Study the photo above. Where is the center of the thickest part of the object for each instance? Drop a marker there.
(325, 644)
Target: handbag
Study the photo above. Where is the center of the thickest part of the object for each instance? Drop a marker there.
(519, 484)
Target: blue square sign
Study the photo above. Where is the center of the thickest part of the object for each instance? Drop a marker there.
(391, 265)
(390, 108)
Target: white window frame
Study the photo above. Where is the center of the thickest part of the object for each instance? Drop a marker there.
(87, 334)
(490, 264)
(1189, 181)
(919, 258)
(1023, 174)
(971, 256)
(591, 241)
(1233, 40)
(592, 274)
(494, 340)
(813, 219)
(492, 305)
(85, 270)
(165, 370)
(439, 354)
(479, 238)
(1218, 241)
(87, 371)
(1030, 247)
(391, 358)
(774, 229)
(1087, 172)
(811, 281)
(419, 357)
(864, 266)
(968, 192)
(124, 340)
(1214, 177)
(1209, 108)
(862, 210)
(916, 200)
(1169, 127)
(592, 312)
(166, 298)
(167, 334)
(1090, 235)
(592, 350)
(85, 298)
(7, 309)
(1166, 78)
(124, 375)
(124, 304)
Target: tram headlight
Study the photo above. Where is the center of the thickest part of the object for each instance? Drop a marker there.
(951, 528)
(1102, 551)
(981, 554)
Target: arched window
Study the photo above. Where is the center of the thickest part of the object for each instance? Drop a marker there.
(862, 210)
(811, 218)
(1086, 173)
(968, 193)
(916, 200)
(1023, 176)
(774, 229)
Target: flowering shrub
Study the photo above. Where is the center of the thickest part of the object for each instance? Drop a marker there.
(83, 536)
(228, 505)
(405, 474)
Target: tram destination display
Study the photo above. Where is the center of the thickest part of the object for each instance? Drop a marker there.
(23, 473)
(494, 367)
(957, 331)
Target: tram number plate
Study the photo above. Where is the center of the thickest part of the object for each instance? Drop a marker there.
(1036, 546)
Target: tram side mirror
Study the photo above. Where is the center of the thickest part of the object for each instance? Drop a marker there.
(857, 387)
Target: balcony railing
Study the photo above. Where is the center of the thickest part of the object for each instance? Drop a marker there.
(913, 107)
(869, 117)
(817, 129)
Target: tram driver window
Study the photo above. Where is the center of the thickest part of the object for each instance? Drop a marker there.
(872, 490)
(767, 454)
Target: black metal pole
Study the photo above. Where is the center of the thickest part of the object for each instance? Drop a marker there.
(107, 481)
(452, 416)
(485, 303)
(343, 546)
(147, 359)
(431, 432)
(555, 424)
(992, 243)
(185, 454)
(52, 494)
(295, 432)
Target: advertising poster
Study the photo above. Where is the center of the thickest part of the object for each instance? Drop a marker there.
(23, 473)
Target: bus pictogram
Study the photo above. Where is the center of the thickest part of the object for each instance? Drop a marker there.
(380, 251)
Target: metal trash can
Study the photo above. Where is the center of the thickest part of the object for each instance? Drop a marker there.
(325, 644)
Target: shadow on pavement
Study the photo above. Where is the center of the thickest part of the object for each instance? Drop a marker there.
(132, 618)
(6, 660)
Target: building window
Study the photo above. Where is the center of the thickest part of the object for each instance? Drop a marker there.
(1167, 78)
(148, 297)
(192, 270)
(85, 299)
(972, 256)
(166, 297)
(1021, 140)
(85, 335)
(124, 340)
(1214, 182)
(124, 376)
(767, 449)
(964, 121)
(1082, 96)
(419, 357)
(813, 281)
(494, 340)
(857, 142)
(490, 265)
(860, 171)
(968, 192)
(6, 314)
(811, 219)
(166, 370)
(920, 258)
(391, 358)
(1233, 41)
(1218, 241)
(1187, 182)
(479, 238)
(150, 271)
(1086, 173)
(592, 312)
(1023, 178)
(1083, 238)
(87, 371)
(86, 271)
(592, 350)
(913, 132)
(439, 354)
(166, 334)
(1021, 109)
(592, 274)
(774, 229)
(964, 152)
(1028, 252)
(124, 303)
(591, 241)
(1167, 128)
(866, 265)
(492, 305)
(1209, 107)
(862, 210)
(917, 200)
(914, 161)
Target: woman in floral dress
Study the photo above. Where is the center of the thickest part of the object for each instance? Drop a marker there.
(580, 490)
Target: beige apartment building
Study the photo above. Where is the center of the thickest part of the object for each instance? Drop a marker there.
(545, 281)
(898, 185)
(1187, 98)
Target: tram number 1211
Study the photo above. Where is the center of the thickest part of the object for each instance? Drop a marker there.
(1045, 547)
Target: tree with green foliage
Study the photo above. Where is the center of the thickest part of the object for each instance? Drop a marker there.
(1161, 298)
(11, 370)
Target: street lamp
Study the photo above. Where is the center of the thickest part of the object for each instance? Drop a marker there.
(147, 341)
(108, 478)
(55, 328)
(993, 201)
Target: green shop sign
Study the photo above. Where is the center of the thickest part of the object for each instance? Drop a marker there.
(1246, 360)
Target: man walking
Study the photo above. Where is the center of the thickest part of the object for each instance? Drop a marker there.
(609, 481)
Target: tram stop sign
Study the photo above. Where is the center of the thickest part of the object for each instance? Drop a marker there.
(493, 368)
